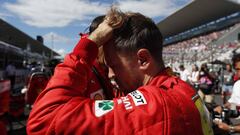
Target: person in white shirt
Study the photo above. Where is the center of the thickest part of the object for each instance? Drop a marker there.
(235, 97)
(194, 77)
(233, 101)
(184, 73)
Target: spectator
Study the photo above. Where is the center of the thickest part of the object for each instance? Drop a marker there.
(205, 84)
(184, 73)
(194, 78)
(228, 81)
(11, 74)
(233, 101)
(235, 97)
(132, 46)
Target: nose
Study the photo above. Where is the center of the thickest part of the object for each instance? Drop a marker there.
(110, 73)
(112, 78)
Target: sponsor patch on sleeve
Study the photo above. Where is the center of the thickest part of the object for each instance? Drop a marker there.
(97, 95)
(138, 98)
(103, 106)
(126, 103)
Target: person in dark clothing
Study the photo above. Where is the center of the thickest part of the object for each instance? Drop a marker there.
(11, 74)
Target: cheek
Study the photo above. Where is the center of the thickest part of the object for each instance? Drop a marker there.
(238, 73)
(119, 71)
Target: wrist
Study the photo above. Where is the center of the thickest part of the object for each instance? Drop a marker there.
(95, 39)
(86, 49)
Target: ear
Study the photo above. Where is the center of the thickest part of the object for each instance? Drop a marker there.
(144, 59)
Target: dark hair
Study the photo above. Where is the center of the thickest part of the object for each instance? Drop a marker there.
(230, 65)
(196, 67)
(204, 67)
(181, 67)
(96, 21)
(137, 32)
(235, 59)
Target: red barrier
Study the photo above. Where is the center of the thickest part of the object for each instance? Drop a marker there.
(4, 96)
(4, 104)
(3, 129)
(17, 104)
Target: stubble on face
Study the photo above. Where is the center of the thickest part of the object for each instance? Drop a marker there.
(125, 68)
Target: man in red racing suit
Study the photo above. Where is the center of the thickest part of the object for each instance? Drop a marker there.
(164, 105)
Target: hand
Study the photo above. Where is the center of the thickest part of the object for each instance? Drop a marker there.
(222, 125)
(102, 34)
(218, 109)
(113, 20)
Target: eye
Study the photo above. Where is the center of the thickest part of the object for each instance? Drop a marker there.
(112, 64)
(237, 69)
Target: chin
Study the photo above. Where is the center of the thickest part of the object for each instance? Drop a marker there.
(127, 88)
(128, 91)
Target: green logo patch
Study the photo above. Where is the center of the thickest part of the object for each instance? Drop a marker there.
(103, 106)
(106, 105)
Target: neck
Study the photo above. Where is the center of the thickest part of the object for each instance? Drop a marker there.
(154, 72)
(147, 79)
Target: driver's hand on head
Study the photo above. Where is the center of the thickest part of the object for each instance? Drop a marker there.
(104, 31)
(102, 34)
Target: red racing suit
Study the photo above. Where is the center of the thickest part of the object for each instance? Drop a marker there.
(166, 106)
(99, 86)
(99, 90)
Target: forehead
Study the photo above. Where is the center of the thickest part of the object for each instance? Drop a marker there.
(116, 58)
(110, 53)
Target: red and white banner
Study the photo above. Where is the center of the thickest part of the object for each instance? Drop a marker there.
(4, 96)
(5, 85)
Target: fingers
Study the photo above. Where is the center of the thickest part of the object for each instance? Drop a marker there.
(115, 18)
(217, 121)
(102, 34)
(115, 21)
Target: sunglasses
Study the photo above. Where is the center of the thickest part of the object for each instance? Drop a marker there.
(237, 68)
